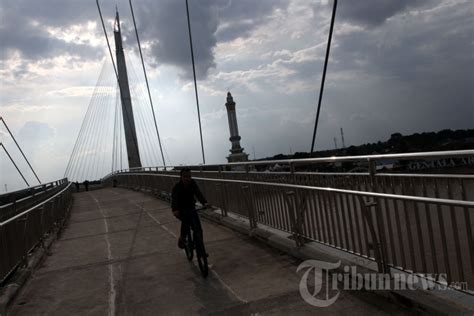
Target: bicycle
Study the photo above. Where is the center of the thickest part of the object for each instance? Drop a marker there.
(196, 242)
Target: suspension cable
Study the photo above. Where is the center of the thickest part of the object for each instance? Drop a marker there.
(79, 136)
(114, 143)
(195, 82)
(21, 174)
(82, 159)
(4, 123)
(147, 86)
(324, 73)
(96, 133)
(141, 123)
(107, 39)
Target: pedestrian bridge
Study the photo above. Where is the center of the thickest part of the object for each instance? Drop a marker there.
(117, 251)
(118, 254)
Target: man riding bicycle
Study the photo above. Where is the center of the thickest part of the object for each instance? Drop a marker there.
(183, 204)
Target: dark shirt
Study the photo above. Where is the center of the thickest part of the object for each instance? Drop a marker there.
(182, 198)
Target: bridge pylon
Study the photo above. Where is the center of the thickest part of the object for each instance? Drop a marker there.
(127, 110)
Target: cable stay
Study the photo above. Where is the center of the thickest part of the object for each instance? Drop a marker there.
(328, 48)
(143, 118)
(147, 85)
(195, 81)
(19, 148)
(13, 162)
(91, 151)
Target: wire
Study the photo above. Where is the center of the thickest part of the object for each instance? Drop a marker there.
(4, 123)
(11, 159)
(114, 143)
(324, 73)
(147, 86)
(85, 126)
(145, 143)
(139, 95)
(195, 82)
(85, 161)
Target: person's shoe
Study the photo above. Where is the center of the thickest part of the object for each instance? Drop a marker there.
(181, 244)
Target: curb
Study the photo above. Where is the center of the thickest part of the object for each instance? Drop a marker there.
(432, 302)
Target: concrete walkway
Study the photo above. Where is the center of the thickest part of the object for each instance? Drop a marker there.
(119, 255)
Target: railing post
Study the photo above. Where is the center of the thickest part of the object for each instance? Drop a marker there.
(296, 216)
(292, 171)
(224, 199)
(24, 220)
(372, 172)
(250, 206)
(41, 224)
(378, 239)
(221, 198)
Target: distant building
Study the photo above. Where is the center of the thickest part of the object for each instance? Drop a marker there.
(237, 152)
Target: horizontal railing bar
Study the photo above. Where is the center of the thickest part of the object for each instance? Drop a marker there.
(328, 189)
(333, 159)
(34, 207)
(431, 175)
(35, 190)
(34, 187)
(6, 205)
(402, 175)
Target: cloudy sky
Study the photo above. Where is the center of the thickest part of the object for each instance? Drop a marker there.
(395, 66)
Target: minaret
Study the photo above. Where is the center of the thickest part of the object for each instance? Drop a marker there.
(237, 152)
(127, 111)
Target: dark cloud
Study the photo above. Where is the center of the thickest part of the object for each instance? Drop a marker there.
(410, 74)
(51, 12)
(165, 27)
(373, 12)
(161, 24)
(23, 28)
(239, 18)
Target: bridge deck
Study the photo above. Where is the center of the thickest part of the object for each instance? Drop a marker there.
(118, 255)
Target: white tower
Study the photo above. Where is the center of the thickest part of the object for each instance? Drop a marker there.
(237, 152)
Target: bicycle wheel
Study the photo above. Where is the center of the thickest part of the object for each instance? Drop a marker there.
(202, 261)
(188, 248)
(201, 257)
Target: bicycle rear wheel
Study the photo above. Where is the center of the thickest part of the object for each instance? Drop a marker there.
(202, 261)
(201, 256)
(188, 248)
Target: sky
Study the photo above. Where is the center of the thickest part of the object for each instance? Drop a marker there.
(395, 66)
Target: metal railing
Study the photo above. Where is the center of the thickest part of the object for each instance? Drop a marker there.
(293, 164)
(15, 202)
(20, 233)
(447, 186)
(397, 229)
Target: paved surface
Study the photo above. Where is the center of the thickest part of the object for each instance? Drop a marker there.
(118, 255)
